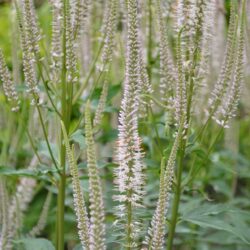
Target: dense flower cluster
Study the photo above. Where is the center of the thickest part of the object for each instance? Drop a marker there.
(167, 70)
(17, 206)
(184, 58)
(29, 40)
(110, 17)
(129, 176)
(56, 41)
(228, 108)
(156, 231)
(8, 85)
(79, 203)
(221, 85)
(97, 226)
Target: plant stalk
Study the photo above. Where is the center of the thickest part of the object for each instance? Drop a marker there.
(129, 230)
(65, 120)
(181, 157)
(177, 196)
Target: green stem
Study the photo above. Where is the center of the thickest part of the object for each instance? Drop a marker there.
(7, 139)
(47, 91)
(214, 141)
(91, 71)
(194, 171)
(129, 225)
(60, 215)
(23, 119)
(153, 122)
(177, 196)
(150, 97)
(46, 136)
(33, 147)
(181, 157)
(66, 103)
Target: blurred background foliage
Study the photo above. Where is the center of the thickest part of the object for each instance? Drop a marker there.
(215, 209)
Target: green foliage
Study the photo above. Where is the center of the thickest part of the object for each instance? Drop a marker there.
(5, 31)
(207, 185)
(31, 244)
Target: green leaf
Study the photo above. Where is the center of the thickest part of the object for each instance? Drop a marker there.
(78, 247)
(109, 165)
(43, 149)
(216, 237)
(78, 137)
(7, 171)
(43, 170)
(38, 244)
(113, 91)
(205, 209)
(219, 217)
(210, 222)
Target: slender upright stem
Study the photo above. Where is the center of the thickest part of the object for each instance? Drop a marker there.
(177, 196)
(45, 135)
(129, 229)
(180, 166)
(65, 119)
(91, 71)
